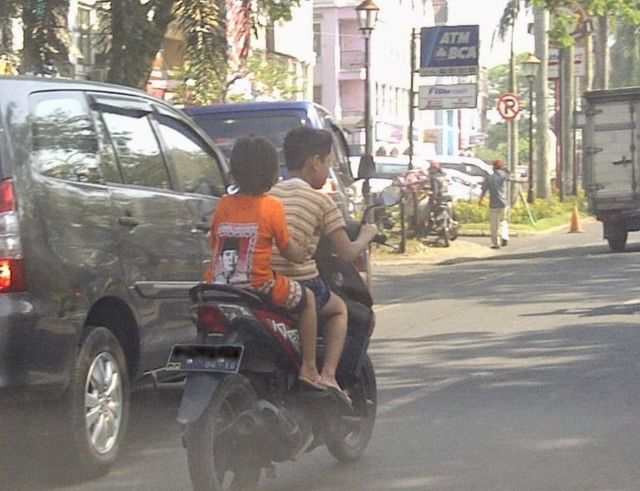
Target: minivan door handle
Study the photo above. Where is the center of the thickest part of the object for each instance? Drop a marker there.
(128, 221)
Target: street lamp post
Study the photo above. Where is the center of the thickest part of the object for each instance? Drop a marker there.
(367, 15)
(530, 68)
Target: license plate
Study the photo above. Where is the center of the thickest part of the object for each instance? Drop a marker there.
(204, 358)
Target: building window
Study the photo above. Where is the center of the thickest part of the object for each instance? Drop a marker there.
(317, 94)
(317, 40)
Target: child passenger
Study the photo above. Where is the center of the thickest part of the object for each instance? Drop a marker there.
(252, 222)
(312, 215)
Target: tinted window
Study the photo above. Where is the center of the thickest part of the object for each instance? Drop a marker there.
(137, 150)
(196, 169)
(390, 171)
(225, 129)
(458, 167)
(474, 170)
(65, 145)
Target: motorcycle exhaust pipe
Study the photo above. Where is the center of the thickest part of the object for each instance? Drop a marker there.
(246, 423)
(285, 426)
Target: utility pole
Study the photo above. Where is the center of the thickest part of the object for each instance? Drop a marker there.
(541, 26)
(412, 93)
(567, 84)
(512, 125)
(601, 75)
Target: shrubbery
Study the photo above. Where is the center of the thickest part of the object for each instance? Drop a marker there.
(472, 213)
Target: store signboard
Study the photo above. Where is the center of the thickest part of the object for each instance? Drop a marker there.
(578, 63)
(454, 96)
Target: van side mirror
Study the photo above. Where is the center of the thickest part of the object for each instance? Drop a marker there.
(366, 167)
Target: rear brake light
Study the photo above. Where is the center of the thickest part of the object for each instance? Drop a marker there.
(212, 319)
(11, 264)
(12, 276)
(7, 196)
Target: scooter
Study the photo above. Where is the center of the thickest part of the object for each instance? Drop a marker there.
(242, 406)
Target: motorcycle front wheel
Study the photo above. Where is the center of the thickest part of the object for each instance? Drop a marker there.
(217, 459)
(445, 231)
(348, 436)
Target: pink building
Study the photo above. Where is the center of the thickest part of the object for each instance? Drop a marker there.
(339, 71)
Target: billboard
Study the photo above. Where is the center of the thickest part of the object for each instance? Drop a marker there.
(449, 50)
(454, 96)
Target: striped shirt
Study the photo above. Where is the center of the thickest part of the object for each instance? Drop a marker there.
(310, 215)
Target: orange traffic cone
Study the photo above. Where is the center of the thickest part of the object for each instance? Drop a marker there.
(575, 221)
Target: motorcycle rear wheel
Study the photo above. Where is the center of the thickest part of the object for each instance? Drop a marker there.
(216, 459)
(348, 437)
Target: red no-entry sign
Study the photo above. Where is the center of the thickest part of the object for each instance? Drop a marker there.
(509, 106)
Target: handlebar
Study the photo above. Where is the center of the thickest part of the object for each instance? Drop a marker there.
(380, 238)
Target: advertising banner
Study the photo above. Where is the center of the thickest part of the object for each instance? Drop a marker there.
(449, 50)
(454, 96)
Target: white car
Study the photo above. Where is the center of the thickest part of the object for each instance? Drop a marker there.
(476, 169)
(462, 186)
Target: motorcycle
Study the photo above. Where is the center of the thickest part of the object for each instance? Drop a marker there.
(242, 408)
(439, 218)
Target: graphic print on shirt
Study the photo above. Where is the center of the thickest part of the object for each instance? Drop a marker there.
(233, 255)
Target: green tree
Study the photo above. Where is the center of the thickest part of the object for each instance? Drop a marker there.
(8, 11)
(625, 55)
(134, 31)
(45, 30)
(137, 31)
(496, 146)
(566, 18)
(210, 69)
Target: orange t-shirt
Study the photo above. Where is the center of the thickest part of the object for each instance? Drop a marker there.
(243, 231)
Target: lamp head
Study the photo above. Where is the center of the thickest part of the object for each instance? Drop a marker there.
(367, 15)
(530, 66)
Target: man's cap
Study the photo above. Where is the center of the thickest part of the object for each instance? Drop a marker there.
(498, 164)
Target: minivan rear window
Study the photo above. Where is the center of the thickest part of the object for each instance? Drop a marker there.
(65, 144)
(224, 130)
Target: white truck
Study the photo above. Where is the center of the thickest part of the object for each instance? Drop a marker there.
(611, 160)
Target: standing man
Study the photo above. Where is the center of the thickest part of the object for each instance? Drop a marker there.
(496, 185)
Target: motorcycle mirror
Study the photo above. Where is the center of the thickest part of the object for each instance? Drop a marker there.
(391, 195)
(366, 167)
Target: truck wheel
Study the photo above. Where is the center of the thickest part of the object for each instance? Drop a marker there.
(618, 241)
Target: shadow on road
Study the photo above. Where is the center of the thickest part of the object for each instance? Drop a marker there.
(36, 463)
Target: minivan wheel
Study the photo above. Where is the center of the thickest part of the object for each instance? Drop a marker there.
(99, 403)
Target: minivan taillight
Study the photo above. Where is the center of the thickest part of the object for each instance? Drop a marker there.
(11, 263)
(12, 276)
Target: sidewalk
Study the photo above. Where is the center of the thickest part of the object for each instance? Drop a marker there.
(459, 250)
(418, 253)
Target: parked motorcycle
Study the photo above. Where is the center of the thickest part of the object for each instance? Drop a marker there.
(241, 405)
(439, 218)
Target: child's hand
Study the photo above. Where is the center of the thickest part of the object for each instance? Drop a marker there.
(297, 252)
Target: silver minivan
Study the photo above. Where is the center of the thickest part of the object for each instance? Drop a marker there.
(106, 196)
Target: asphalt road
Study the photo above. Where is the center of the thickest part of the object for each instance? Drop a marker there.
(514, 372)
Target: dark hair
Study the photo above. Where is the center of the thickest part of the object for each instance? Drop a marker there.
(302, 143)
(230, 244)
(254, 164)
